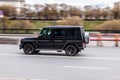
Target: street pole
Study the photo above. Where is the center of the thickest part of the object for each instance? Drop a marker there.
(1, 19)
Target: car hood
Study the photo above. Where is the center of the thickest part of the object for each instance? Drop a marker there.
(31, 38)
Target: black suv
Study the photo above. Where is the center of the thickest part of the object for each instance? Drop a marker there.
(68, 38)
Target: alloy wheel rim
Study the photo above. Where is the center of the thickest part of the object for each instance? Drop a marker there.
(28, 49)
(70, 51)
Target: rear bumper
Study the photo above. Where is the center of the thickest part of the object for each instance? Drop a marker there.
(20, 46)
(82, 47)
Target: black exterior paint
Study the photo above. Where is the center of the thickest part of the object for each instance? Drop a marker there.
(57, 42)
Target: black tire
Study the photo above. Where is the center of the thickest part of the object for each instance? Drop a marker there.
(71, 50)
(28, 49)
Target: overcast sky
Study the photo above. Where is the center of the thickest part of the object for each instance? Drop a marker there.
(78, 3)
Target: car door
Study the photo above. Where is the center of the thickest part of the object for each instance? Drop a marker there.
(59, 38)
(46, 39)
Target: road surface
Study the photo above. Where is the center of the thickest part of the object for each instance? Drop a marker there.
(94, 63)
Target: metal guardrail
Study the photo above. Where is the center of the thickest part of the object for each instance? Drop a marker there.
(30, 31)
(18, 31)
(104, 31)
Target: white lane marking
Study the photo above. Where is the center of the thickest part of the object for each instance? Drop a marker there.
(65, 57)
(100, 58)
(20, 79)
(81, 67)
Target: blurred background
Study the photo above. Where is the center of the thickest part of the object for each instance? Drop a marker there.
(28, 17)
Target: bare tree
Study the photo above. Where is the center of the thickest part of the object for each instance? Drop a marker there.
(38, 10)
(50, 11)
(74, 11)
(64, 9)
(88, 12)
(9, 10)
(106, 13)
(116, 13)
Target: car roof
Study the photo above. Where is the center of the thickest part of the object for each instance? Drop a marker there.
(56, 27)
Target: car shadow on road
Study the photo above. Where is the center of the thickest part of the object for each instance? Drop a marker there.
(52, 54)
(49, 54)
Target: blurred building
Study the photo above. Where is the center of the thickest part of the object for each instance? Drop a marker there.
(88, 7)
(19, 4)
(117, 5)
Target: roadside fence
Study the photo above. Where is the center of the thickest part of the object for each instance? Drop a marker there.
(31, 31)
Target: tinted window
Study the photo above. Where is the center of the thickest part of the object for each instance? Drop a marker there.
(75, 32)
(46, 32)
(59, 32)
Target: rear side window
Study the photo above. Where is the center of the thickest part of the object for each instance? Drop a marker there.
(59, 32)
(75, 33)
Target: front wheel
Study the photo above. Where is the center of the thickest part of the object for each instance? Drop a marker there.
(71, 50)
(28, 49)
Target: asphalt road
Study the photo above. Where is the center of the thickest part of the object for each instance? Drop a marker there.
(94, 63)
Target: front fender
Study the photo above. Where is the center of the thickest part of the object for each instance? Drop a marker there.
(34, 43)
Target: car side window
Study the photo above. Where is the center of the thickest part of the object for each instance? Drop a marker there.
(59, 32)
(46, 32)
(75, 33)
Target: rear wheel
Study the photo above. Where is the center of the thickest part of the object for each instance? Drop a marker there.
(28, 49)
(71, 50)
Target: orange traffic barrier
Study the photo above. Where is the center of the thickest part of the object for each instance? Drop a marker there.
(105, 37)
(99, 42)
(116, 40)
